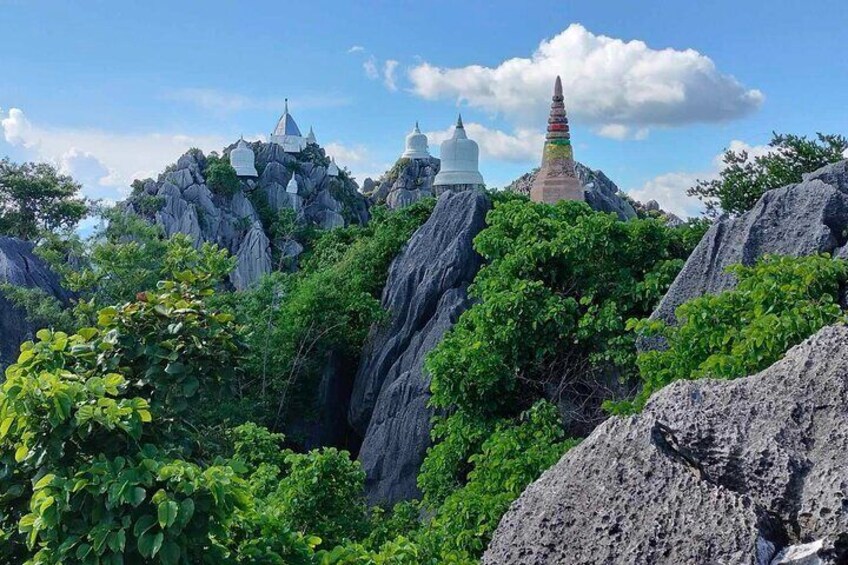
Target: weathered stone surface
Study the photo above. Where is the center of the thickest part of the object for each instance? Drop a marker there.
(799, 219)
(20, 267)
(599, 191)
(188, 206)
(425, 294)
(710, 472)
(408, 181)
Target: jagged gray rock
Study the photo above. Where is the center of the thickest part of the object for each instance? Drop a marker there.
(710, 472)
(601, 193)
(408, 181)
(183, 203)
(799, 219)
(20, 267)
(425, 293)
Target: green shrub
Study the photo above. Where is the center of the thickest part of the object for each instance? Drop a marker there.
(776, 304)
(221, 177)
(86, 478)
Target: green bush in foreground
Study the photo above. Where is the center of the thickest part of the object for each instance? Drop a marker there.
(777, 303)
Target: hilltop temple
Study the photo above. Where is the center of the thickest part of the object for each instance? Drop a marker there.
(288, 135)
(556, 179)
(243, 159)
(460, 158)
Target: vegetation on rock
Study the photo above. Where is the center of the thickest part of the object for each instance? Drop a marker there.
(743, 179)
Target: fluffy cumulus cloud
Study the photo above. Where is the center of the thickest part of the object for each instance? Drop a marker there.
(621, 88)
(104, 162)
(522, 146)
(669, 189)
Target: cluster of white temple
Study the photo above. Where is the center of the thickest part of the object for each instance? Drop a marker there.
(287, 135)
(460, 156)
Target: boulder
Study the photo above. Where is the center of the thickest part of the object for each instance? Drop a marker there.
(799, 219)
(711, 471)
(20, 267)
(408, 181)
(425, 293)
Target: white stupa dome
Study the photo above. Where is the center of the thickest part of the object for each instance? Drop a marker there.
(333, 169)
(292, 187)
(243, 160)
(460, 160)
(416, 145)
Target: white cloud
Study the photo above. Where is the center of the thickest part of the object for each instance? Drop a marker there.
(622, 88)
(356, 49)
(389, 79)
(669, 189)
(105, 162)
(223, 102)
(370, 67)
(525, 145)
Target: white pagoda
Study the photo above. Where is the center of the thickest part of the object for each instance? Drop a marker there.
(287, 134)
(460, 162)
(243, 159)
(416, 145)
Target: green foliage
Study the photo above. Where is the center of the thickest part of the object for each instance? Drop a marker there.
(86, 477)
(221, 177)
(323, 494)
(43, 310)
(512, 457)
(552, 301)
(777, 303)
(148, 204)
(296, 320)
(744, 179)
(35, 198)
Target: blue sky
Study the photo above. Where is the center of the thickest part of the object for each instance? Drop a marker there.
(655, 89)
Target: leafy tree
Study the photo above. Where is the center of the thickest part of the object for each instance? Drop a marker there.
(777, 303)
(86, 478)
(743, 180)
(35, 198)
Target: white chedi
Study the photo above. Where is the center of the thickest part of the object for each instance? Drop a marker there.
(243, 159)
(416, 145)
(460, 158)
(292, 187)
(310, 137)
(332, 168)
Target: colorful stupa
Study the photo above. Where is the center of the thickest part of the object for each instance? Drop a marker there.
(556, 179)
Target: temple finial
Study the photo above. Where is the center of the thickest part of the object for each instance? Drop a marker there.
(459, 122)
(416, 127)
(558, 87)
(287, 105)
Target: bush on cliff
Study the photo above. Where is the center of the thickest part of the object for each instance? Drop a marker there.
(778, 303)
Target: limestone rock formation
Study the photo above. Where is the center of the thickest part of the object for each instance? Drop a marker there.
(408, 181)
(425, 293)
(181, 202)
(600, 192)
(711, 472)
(20, 267)
(799, 219)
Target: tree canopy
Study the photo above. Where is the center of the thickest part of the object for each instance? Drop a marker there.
(743, 179)
(35, 197)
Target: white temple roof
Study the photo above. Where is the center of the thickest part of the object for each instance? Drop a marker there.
(286, 125)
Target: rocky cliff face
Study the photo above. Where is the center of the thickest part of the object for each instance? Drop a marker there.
(20, 267)
(799, 219)
(181, 201)
(425, 293)
(601, 193)
(408, 181)
(711, 472)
